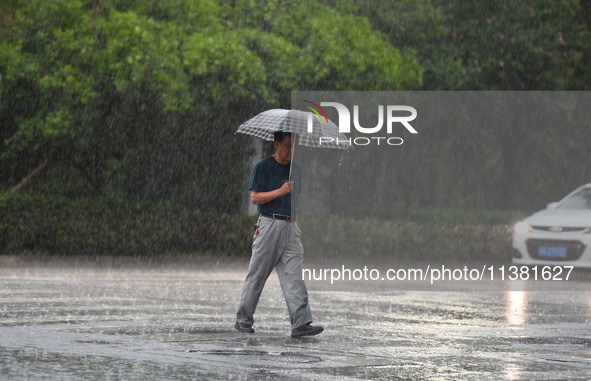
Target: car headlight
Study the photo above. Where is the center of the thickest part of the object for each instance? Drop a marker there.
(521, 227)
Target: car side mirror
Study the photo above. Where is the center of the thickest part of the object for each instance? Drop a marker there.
(552, 205)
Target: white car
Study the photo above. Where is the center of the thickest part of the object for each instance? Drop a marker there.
(558, 235)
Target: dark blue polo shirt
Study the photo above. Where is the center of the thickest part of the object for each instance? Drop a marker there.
(269, 175)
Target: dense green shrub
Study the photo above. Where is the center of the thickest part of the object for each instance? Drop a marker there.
(438, 235)
(35, 223)
(116, 227)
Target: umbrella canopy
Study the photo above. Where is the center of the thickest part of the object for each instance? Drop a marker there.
(324, 132)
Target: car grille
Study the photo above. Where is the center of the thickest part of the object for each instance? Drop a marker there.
(559, 229)
(574, 249)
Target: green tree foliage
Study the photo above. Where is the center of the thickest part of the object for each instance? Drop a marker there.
(420, 28)
(140, 98)
(494, 45)
(337, 51)
(489, 45)
(521, 45)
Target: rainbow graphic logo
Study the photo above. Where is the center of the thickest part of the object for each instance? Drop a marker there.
(315, 108)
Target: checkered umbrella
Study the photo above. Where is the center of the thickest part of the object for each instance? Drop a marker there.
(265, 124)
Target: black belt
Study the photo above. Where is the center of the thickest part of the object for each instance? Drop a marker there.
(279, 217)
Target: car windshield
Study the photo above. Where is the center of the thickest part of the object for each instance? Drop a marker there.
(579, 200)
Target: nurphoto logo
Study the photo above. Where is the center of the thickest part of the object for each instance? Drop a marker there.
(394, 115)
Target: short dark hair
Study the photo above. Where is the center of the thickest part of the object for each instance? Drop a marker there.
(279, 136)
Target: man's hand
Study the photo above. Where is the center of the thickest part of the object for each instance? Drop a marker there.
(286, 188)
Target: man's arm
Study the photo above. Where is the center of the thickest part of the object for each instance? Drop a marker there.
(265, 197)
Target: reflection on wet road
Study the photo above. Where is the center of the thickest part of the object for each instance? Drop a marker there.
(175, 322)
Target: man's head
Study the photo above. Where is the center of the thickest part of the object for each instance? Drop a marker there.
(282, 141)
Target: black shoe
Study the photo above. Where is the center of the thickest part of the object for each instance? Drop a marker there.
(244, 327)
(306, 330)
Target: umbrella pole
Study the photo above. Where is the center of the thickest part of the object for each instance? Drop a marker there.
(294, 139)
(291, 161)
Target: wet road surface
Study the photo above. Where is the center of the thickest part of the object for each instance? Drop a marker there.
(122, 321)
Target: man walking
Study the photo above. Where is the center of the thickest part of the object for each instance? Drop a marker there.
(276, 242)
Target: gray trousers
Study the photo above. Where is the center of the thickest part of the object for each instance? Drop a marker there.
(277, 245)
